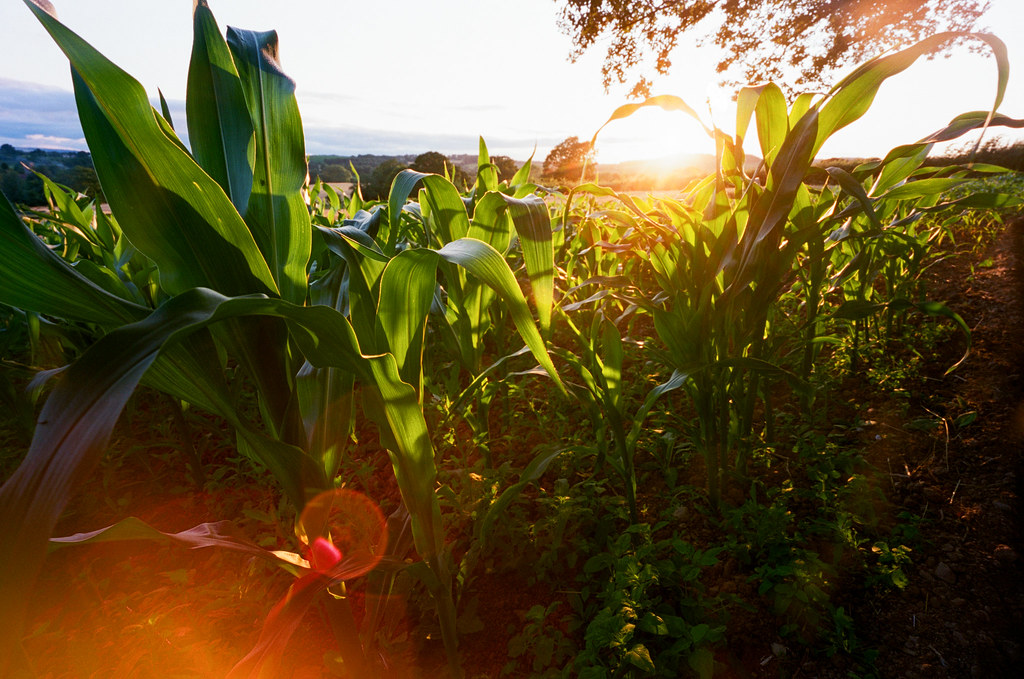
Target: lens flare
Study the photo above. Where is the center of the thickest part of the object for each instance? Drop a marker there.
(342, 524)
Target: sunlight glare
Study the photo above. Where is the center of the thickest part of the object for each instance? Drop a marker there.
(663, 138)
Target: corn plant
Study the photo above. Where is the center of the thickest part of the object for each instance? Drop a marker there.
(226, 227)
(724, 257)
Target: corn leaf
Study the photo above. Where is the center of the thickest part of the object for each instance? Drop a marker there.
(166, 204)
(406, 293)
(75, 424)
(484, 262)
(277, 214)
(224, 534)
(530, 217)
(219, 127)
(853, 95)
(34, 278)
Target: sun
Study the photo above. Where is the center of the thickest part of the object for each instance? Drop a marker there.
(654, 135)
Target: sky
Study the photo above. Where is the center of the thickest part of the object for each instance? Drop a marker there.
(398, 76)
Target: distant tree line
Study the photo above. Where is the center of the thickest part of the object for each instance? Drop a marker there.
(376, 173)
(995, 151)
(69, 168)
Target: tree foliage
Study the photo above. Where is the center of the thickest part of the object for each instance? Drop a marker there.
(507, 167)
(379, 183)
(801, 42)
(432, 161)
(438, 163)
(566, 161)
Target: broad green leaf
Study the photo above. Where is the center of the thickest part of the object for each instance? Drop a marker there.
(772, 121)
(900, 163)
(406, 293)
(746, 100)
(403, 184)
(492, 223)
(612, 357)
(219, 127)
(398, 413)
(853, 187)
(486, 174)
(853, 95)
(484, 262)
(165, 203)
(922, 188)
(972, 121)
(533, 224)
(640, 657)
(327, 405)
(277, 214)
(444, 209)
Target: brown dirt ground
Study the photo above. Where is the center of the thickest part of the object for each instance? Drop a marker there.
(963, 614)
(132, 610)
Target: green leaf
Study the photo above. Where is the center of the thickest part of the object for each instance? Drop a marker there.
(403, 184)
(166, 204)
(398, 412)
(772, 121)
(533, 471)
(277, 214)
(852, 97)
(939, 309)
(667, 102)
(484, 262)
(34, 278)
(533, 224)
(219, 127)
(165, 111)
(406, 293)
(640, 657)
(702, 661)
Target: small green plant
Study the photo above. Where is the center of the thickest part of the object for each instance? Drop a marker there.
(647, 610)
(541, 645)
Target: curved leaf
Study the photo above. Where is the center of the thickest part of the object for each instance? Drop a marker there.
(277, 214)
(33, 278)
(484, 262)
(219, 127)
(166, 204)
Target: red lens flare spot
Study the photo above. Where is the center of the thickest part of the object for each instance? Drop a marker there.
(324, 555)
(343, 524)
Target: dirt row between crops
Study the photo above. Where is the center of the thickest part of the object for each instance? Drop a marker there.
(963, 613)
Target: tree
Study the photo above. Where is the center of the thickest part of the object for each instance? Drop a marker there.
(507, 167)
(431, 161)
(379, 184)
(438, 163)
(761, 40)
(566, 161)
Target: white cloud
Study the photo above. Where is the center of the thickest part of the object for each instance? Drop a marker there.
(44, 141)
